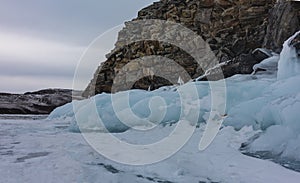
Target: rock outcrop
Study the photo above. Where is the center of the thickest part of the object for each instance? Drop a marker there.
(39, 102)
(284, 21)
(232, 29)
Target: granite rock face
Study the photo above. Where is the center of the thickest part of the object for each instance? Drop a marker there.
(231, 29)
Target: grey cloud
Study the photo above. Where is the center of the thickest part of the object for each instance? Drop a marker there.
(17, 68)
(77, 21)
(46, 26)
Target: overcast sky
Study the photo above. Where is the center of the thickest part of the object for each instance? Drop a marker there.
(41, 41)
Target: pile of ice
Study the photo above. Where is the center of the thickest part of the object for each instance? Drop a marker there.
(265, 102)
(276, 111)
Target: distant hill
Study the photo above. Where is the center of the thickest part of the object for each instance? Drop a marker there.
(37, 102)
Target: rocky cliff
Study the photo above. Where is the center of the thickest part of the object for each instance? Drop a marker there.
(232, 29)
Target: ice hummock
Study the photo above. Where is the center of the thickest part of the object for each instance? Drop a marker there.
(289, 60)
(276, 111)
(267, 103)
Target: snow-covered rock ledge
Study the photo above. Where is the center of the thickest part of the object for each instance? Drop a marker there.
(39, 102)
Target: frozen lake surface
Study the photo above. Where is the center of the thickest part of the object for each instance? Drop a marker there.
(33, 149)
